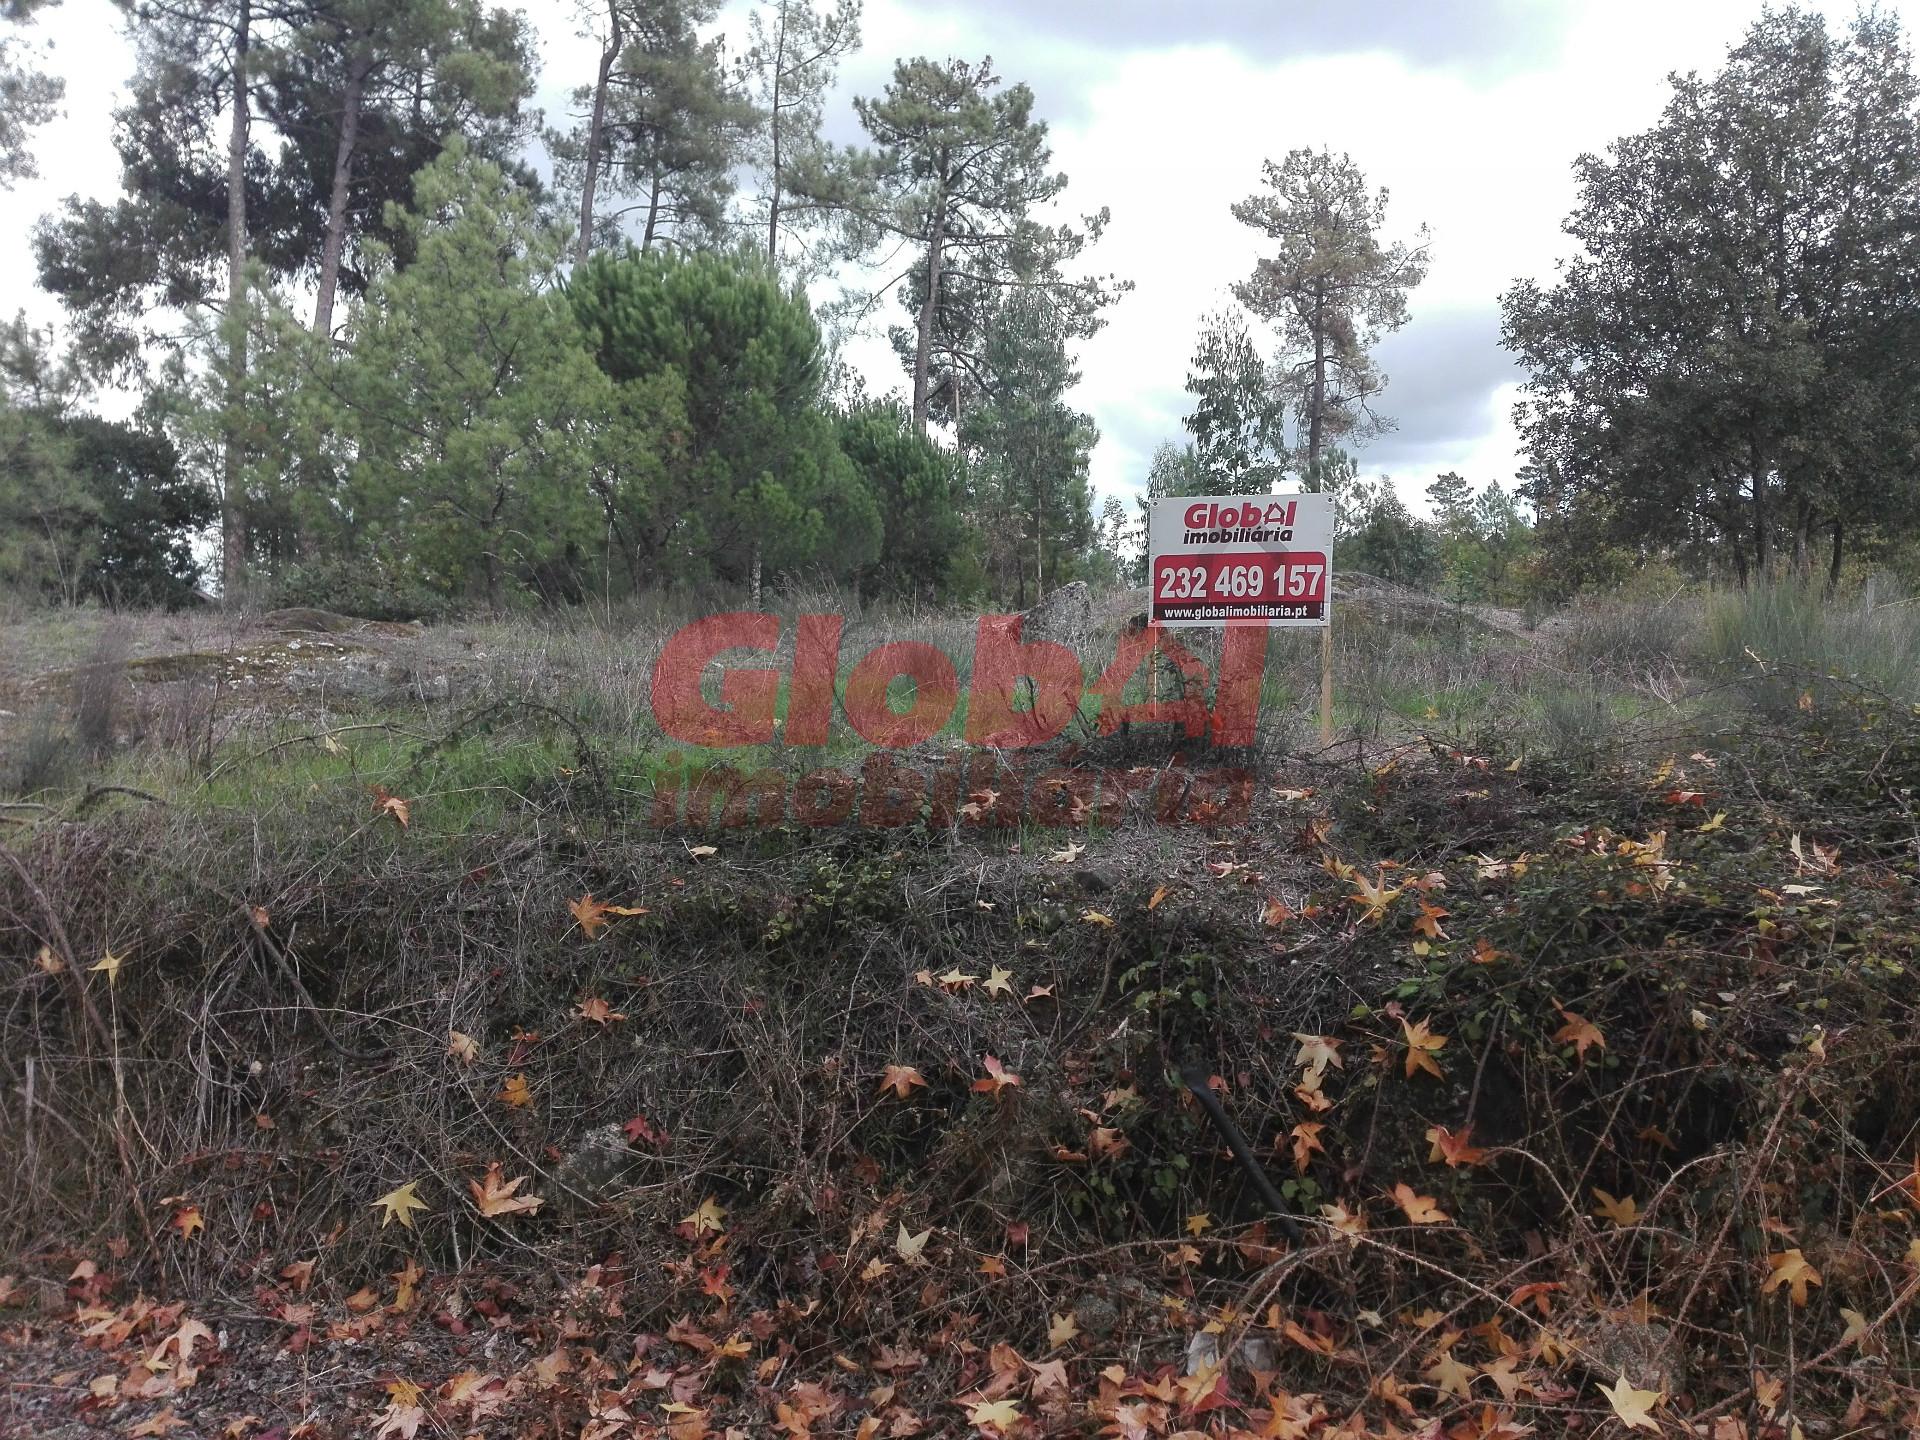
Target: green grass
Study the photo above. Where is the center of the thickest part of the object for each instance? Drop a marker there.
(1790, 637)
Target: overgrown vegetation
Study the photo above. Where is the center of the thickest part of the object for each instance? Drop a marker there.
(1582, 1051)
(394, 1003)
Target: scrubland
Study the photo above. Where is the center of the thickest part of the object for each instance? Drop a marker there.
(1567, 1000)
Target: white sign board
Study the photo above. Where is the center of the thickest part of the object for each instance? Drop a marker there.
(1240, 560)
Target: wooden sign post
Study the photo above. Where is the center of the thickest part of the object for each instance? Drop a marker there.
(1326, 682)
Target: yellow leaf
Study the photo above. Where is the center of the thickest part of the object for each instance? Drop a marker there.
(1450, 1377)
(1309, 1094)
(462, 1047)
(1422, 1045)
(405, 1280)
(589, 913)
(1060, 1330)
(48, 961)
(1420, 1209)
(1317, 1052)
(515, 1092)
(1160, 893)
(1347, 1222)
(1622, 1212)
(703, 852)
(901, 1079)
(999, 982)
(1095, 917)
(494, 1195)
(109, 964)
(1634, 1407)
(910, 1247)
(548, 1369)
(710, 1218)
(1374, 896)
(1856, 1326)
(1792, 1269)
(1067, 854)
(1199, 1224)
(592, 914)
(998, 1413)
(1717, 822)
(400, 1204)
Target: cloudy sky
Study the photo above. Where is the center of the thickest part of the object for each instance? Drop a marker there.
(1469, 111)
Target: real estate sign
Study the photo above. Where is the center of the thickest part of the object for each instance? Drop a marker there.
(1240, 560)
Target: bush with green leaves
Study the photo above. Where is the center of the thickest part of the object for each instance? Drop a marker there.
(461, 422)
(918, 489)
(373, 588)
(756, 474)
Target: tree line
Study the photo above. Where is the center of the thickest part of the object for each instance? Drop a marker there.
(396, 362)
(387, 355)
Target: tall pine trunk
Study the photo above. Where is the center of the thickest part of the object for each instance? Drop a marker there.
(1316, 419)
(653, 214)
(596, 132)
(1039, 538)
(233, 515)
(773, 135)
(923, 343)
(336, 238)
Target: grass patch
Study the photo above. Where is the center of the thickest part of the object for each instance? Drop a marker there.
(1794, 639)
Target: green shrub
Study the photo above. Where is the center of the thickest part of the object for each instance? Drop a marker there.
(44, 758)
(1576, 722)
(1616, 634)
(367, 589)
(1793, 639)
(98, 692)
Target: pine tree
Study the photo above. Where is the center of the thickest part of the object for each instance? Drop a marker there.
(793, 56)
(1034, 447)
(1237, 418)
(667, 125)
(956, 169)
(1732, 359)
(366, 92)
(1331, 289)
(28, 96)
